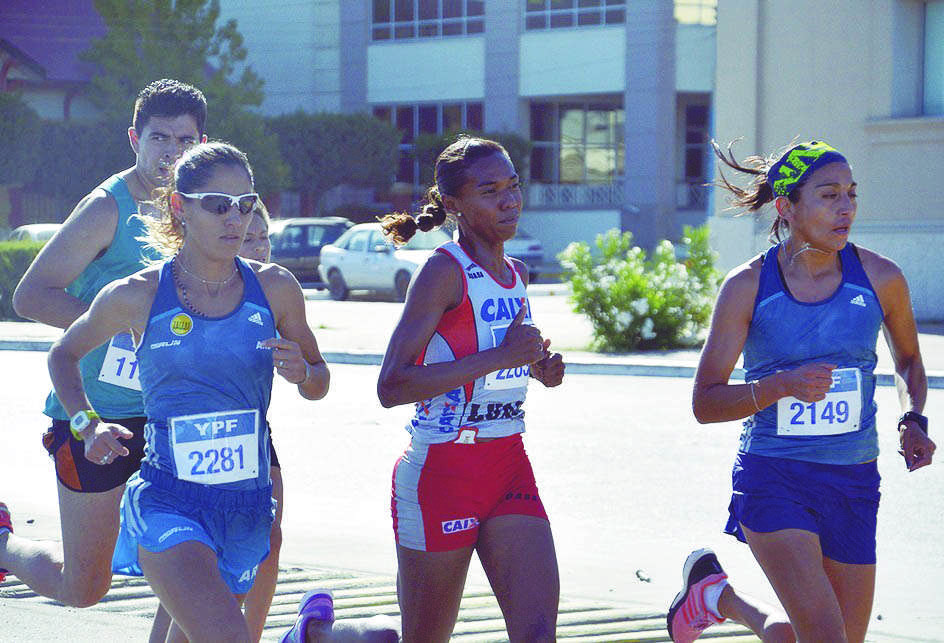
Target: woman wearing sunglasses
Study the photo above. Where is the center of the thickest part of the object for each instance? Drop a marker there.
(196, 518)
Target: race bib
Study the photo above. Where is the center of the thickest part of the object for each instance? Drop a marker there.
(506, 378)
(216, 448)
(839, 412)
(120, 366)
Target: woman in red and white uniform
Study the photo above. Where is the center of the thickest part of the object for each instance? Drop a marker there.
(463, 352)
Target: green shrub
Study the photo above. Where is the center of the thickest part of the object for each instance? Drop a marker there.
(15, 258)
(639, 302)
(21, 133)
(325, 150)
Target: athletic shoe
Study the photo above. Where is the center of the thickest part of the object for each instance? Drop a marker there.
(689, 615)
(6, 524)
(317, 606)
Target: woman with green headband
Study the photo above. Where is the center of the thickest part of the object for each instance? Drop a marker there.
(806, 315)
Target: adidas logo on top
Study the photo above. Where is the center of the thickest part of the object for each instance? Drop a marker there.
(256, 318)
(858, 300)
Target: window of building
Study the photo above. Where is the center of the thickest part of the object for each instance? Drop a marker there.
(426, 118)
(577, 142)
(934, 58)
(696, 12)
(405, 19)
(556, 14)
(692, 151)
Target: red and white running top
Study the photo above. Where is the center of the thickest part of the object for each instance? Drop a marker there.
(491, 405)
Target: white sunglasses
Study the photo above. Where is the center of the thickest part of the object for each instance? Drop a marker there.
(220, 203)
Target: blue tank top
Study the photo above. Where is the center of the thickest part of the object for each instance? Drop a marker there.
(109, 374)
(786, 333)
(207, 384)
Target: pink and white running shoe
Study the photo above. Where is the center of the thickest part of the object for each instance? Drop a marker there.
(6, 524)
(689, 615)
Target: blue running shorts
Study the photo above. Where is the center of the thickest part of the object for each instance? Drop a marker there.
(158, 511)
(837, 502)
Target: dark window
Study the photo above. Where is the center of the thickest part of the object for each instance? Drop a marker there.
(404, 10)
(382, 112)
(429, 9)
(428, 124)
(473, 116)
(405, 123)
(381, 11)
(405, 171)
(404, 19)
(452, 8)
(577, 143)
(555, 14)
(452, 117)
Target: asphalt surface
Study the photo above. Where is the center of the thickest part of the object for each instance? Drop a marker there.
(630, 481)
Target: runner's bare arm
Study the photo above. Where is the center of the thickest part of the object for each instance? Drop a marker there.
(899, 328)
(120, 305)
(437, 288)
(713, 399)
(901, 334)
(86, 234)
(549, 370)
(297, 349)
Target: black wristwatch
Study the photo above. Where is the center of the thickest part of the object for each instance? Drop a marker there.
(917, 418)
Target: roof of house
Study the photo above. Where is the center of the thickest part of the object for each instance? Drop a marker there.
(51, 34)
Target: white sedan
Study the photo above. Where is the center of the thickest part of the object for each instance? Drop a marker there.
(362, 259)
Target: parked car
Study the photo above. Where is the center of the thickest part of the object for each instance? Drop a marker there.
(529, 250)
(34, 232)
(361, 259)
(297, 244)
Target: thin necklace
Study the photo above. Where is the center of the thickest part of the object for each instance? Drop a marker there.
(183, 289)
(206, 282)
(804, 248)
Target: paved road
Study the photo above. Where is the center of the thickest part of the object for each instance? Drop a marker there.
(630, 481)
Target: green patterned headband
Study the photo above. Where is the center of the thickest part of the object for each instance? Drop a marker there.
(798, 163)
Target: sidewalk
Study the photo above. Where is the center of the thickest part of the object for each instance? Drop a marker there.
(346, 335)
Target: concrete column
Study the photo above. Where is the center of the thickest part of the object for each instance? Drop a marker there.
(738, 103)
(355, 36)
(649, 100)
(502, 63)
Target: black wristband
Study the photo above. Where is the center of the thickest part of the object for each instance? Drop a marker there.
(917, 418)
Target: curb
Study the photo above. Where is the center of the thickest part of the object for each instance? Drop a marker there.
(638, 368)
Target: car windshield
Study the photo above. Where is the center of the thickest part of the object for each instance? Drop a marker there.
(426, 240)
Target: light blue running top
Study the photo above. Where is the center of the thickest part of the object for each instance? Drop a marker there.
(786, 333)
(125, 255)
(216, 370)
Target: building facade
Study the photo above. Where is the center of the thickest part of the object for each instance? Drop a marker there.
(616, 95)
(868, 77)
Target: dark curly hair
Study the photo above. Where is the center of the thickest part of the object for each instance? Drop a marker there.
(451, 174)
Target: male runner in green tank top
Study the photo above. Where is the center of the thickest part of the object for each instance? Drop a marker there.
(97, 244)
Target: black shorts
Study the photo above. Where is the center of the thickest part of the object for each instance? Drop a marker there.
(77, 473)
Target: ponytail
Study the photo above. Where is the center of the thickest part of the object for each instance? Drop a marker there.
(758, 192)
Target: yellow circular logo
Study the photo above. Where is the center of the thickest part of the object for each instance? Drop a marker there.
(181, 324)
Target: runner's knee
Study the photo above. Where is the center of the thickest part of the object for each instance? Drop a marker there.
(86, 593)
(778, 630)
